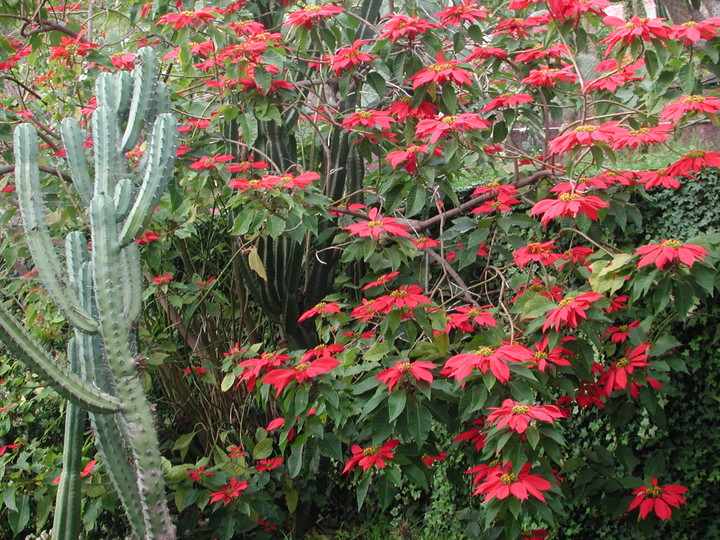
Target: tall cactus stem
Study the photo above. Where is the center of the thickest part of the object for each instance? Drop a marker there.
(161, 157)
(32, 207)
(67, 522)
(105, 143)
(123, 198)
(73, 139)
(144, 79)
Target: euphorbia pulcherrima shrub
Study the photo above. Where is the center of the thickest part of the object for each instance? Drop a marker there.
(374, 310)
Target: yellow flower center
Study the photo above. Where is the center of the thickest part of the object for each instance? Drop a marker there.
(375, 223)
(536, 248)
(565, 302)
(695, 154)
(506, 95)
(473, 313)
(654, 491)
(567, 197)
(439, 67)
(671, 243)
(689, 24)
(694, 99)
(622, 328)
(449, 119)
(485, 351)
(630, 25)
(399, 294)
(507, 479)
(587, 128)
(371, 450)
(301, 367)
(312, 8)
(622, 363)
(540, 355)
(641, 131)
(365, 114)
(520, 409)
(404, 366)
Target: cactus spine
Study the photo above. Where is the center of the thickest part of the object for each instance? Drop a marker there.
(99, 291)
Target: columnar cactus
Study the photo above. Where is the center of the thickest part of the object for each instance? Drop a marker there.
(99, 290)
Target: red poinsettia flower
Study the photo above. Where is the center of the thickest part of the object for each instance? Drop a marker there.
(189, 18)
(437, 128)
(549, 76)
(265, 465)
(197, 474)
(586, 135)
(658, 499)
(317, 309)
(542, 252)
(280, 378)
(382, 280)
(370, 119)
(539, 51)
(465, 317)
(69, 48)
(429, 460)
(517, 416)
(376, 225)
(617, 375)
(233, 490)
(618, 72)
(495, 360)
(518, 27)
(702, 104)
(442, 71)
(311, 14)
(475, 435)
(468, 11)
(349, 57)
(507, 100)
(255, 366)
(405, 297)
(658, 178)
(163, 278)
(694, 161)
(371, 456)
(637, 28)
(420, 370)
(563, 10)
(568, 205)
(503, 483)
(645, 135)
(693, 31)
(570, 311)
(557, 355)
(668, 252)
(619, 334)
(403, 26)
(208, 162)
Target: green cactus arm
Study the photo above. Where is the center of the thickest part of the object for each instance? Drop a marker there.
(32, 207)
(70, 386)
(124, 191)
(132, 281)
(73, 140)
(66, 524)
(105, 145)
(161, 157)
(115, 330)
(144, 79)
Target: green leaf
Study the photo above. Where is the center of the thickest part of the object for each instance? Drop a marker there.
(377, 83)
(536, 305)
(275, 226)
(227, 382)
(686, 77)
(291, 499)
(263, 449)
(183, 442)
(19, 518)
(256, 264)
(419, 421)
(361, 491)
(396, 404)
(295, 461)
(533, 437)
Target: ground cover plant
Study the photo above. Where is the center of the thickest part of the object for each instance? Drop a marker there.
(394, 266)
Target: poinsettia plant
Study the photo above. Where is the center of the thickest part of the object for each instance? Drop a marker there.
(399, 234)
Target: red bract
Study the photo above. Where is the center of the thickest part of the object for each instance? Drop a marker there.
(69, 48)
(563, 10)
(464, 317)
(586, 135)
(420, 370)
(636, 28)
(402, 26)
(265, 465)
(281, 377)
(568, 205)
(646, 135)
(621, 71)
(370, 119)
(188, 18)
(669, 252)
(702, 104)
(382, 280)
(408, 157)
(467, 11)
(437, 128)
(550, 76)
(617, 375)
(372, 455)
(228, 493)
(619, 334)
(570, 311)
(322, 307)
(507, 100)
(495, 360)
(349, 57)
(517, 27)
(502, 483)
(503, 203)
(691, 32)
(475, 435)
(658, 499)
(658, 178)
(442, 71)
(405, 297)
(542, 252)
(538, 52)
(264, 362)
(557, 355)
(377, 225)
(208, 162)
(311, 14)
(694, 161)
(517, 416)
